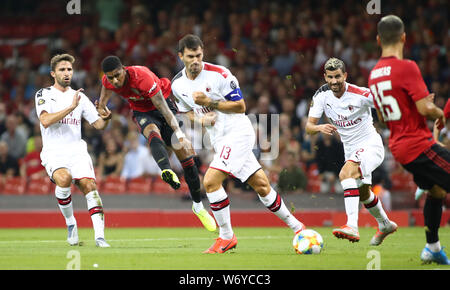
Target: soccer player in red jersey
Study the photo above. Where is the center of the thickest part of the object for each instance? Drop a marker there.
(404, 104)
(153, 112)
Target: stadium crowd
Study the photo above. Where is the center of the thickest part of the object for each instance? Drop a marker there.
(276, 49)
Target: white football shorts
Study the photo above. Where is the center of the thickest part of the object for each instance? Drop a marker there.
(234, 156)
(77, 161)
(369, 154)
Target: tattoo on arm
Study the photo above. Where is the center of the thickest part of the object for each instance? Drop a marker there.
(214, 105)
(161, 104)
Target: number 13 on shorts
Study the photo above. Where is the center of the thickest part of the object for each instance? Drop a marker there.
(225, 153)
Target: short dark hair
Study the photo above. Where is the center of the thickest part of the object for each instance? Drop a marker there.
(390, 29)
(189, 41)
(60, 57)
(111, 63)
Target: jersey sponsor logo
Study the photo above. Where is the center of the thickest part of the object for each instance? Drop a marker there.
(70, 121)
(346, 123)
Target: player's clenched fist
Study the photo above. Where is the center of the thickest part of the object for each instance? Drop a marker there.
(201, 99)
(104, 112)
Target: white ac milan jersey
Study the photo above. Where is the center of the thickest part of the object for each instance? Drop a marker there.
(350, 114)
(218, 83)
(64, 135)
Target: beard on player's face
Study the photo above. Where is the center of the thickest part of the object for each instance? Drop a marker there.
(63, 81)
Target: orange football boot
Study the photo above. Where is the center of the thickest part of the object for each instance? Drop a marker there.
(221, 246)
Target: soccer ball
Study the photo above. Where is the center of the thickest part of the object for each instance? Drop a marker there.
(307, 242)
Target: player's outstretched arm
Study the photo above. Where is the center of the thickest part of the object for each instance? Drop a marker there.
(312, 127)
(105, 95)
(161, 104)
(103, 121)
(48, 119)
(428, 109)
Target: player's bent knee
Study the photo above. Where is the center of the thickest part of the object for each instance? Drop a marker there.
(437, 192)
(349, 172)
(260, 184)
(211, 186)
(62, 177)
(87, 185)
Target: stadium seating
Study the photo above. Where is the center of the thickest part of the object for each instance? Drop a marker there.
(112, 185)
(14, 185)
(40, 186)
(403, 181)
(141, 185)
(160, 187)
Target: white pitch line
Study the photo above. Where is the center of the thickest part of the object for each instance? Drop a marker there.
(142, 240)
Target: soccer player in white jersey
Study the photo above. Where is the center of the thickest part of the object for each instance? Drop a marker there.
(348, 107)
(64, 155)
(210, 94)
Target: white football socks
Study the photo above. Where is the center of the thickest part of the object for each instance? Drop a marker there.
(63, 195)
(351, 201)
(220, 206)
(95, 207)
(275, 204)
(375, 208)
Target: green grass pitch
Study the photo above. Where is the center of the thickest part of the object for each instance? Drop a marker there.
(181, 249)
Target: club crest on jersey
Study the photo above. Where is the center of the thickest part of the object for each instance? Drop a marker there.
(350, 108)
(41, 102)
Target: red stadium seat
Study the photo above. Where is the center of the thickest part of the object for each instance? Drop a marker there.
(113, 185)
(14, 185)
(160, 187)
(403, 181)
(41, 186)
(184, 188)
(139, 185)
(313, 179)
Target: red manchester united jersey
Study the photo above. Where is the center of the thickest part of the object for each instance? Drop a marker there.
(396, 85)
(141, 85)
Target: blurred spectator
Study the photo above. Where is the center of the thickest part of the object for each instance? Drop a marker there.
(2, 118)
(292, 179)
(330, 159)
(276, 49)
(15, 138)
(9, 166)
(30, 165)
(109, 14)
(138, 161)
(110, 161)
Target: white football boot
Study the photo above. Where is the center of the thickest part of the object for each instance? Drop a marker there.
(380, 235)
(72, 235)
(101, 243)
